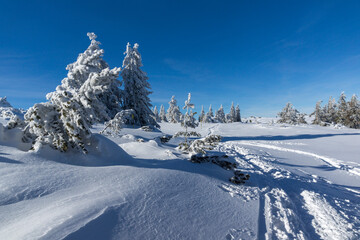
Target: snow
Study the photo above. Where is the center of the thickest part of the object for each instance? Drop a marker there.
(304, 184)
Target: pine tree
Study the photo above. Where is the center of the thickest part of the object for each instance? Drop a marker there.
(353, 115)
(290, 115)
(162, 114)
(330, 111)
(342, 109)
(220, 115)
(173, 112)
(209, 117)
(136, 86)
(202, 114)
(156, 114)
(231, 116)
(318, 113)
(90, 93)
(92, 85)
(237, 114)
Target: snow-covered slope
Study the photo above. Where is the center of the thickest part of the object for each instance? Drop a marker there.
(304, 185)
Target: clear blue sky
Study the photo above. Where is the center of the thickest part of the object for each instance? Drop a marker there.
(259, 54)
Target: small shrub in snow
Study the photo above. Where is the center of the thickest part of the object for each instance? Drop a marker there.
(125, 117)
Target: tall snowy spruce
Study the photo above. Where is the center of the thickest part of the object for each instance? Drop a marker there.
(237, 114)
(353, 116)
(220, 115)
(318, 114)
(231, 116)
(90, 93)
(162, 114)
(209, 117)
(156, 114)
(92, 84)
(136, 86)
(342, 109)
(202, 114)
(173, 112)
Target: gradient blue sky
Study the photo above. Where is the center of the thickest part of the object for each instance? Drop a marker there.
(259, 54)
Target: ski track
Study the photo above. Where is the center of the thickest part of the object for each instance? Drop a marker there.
(293, 206)
(331, 161)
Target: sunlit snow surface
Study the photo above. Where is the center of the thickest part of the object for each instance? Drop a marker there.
(305, 184)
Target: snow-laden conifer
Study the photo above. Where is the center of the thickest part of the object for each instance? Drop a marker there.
(173, 112)
(231, 116)
(318, 114)
(237, 114)
(202, 114)
(353, 116)
(209, 117)
(342, 109)
(156, 114)
(136, 86)
(162, 114)
(330, 111)
(290, 115)
(220, 115)
(90, 93)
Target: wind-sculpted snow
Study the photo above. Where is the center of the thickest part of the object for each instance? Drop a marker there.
(127, 188)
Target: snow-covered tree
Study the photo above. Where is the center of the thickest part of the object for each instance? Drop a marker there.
(353, 115)
(92, 84)
(162, 114)
(188, 122)
(231, 116)
(121, 119)
(342, 109)
(90, 93)
(318, 113)
(202, 114)
(220, 115)
(290, 115)
(237, 113)
(173, 112)
(4, 102)
(329, 111)
(136, 86)
(209, 117)
(156, 114)
(48, 125)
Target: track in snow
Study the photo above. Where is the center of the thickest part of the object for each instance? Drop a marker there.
(294, 206)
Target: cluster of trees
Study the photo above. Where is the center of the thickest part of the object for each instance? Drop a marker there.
(174, 115)
(90, 94)
(343, 112)
(290, 115)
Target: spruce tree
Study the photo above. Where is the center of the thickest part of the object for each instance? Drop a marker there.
(353, 115)
(202, 114)
(209, 117)
(290, 115)
(162, 114)
(231, 116)
(136, 86)
(173, 112)
(237, 114)
(156, 114)
(220, 115)
(342, 109)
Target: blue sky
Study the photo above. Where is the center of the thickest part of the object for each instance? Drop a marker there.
(258, 54)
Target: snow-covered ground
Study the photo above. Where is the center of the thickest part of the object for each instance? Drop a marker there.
(304, 184)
